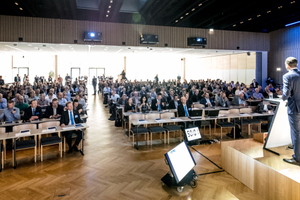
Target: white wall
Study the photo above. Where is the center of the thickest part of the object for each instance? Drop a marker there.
(237, 67)
(5, 67)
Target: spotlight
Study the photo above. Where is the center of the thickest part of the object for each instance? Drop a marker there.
(92, 34)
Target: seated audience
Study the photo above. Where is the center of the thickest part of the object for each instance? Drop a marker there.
(183, 108)
(144, 106)
(3, 102)
(239, 100)
(54, 110)
(10, 113)
(61, 101)
(129, 107)
(257, 95)
(223, 100)
(207, 101)
(33, 112)
(77, 106)
(173, 104)
(71, 117)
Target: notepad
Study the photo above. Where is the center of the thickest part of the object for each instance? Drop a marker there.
(159, 120)
(142, 121)
(23, 133)
(176, 119)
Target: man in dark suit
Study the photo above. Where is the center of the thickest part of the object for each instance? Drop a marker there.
(196, 97)
(208, 102)
(291, 93)
(157, 104)
(17, 78)
(183, 108)
(54, 110)
(33, 112)
(94, 81)
(36, 79)
(77, 106)
(71, 117)
(173, 104)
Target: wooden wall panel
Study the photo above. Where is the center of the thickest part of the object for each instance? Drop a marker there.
(40, 30)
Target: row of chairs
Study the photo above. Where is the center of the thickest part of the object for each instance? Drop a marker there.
(28, 143)
(148, 130)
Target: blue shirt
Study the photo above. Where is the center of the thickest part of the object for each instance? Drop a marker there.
(3, 104)
(258, 95)
(9, 116)
(62, 102)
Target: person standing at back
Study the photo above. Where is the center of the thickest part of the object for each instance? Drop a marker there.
(291, 93)
(94, 81)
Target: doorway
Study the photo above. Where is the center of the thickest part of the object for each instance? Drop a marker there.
(95, 71)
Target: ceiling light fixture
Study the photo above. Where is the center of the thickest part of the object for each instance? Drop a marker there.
(176, 21)
(292, 23)
(106, 15)
(250, 19)
(234, 25)
(109, 6)
(187, 13)
(258, 15)
(293, 2)
(279, 7)
(193, 9)
(200, 4)
(181, 17)
(111, 1)
(241, 22)
(108, 11)
(211, 30)
(268, 11)
(16, 3)
(21, 8)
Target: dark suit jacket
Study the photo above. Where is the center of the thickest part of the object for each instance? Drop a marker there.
(196, 98)
(17, 79)
(121, 101)
(78, 108)
(66, 120)
(154, 107)
(172, 104)
(28, 113)
(181, 111)
(49, 110)
(291, 91)
(203, 101)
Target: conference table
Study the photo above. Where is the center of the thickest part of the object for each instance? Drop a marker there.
(138, 123)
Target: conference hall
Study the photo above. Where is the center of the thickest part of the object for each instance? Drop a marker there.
(150, 99)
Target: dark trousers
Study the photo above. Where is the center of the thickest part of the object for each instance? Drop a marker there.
(295, 134)
(69, 134)
(94, 89)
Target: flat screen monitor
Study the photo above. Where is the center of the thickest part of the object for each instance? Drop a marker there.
(192, 134)
(180, 161)
(196, 113)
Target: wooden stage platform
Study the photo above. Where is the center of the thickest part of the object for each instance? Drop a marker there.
(262, 171)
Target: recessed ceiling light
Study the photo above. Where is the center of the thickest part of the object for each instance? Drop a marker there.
(16, 3)
(250, 19)
(21, 8)
(279, 7)
(258, 15)
(108, 11)
(268, 11)
(109, 6)
(193, 9)
(241, 22)
(234, 25)
(187, 13)
(106, 15)
(176, 21)
(181, 17)
(293, 2)
(200, 4)
(111, 1)
(211, 30)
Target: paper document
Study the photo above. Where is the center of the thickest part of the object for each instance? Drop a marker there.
(22, 134)
(160, 120)
(67, 128)
(177, 119)
(142, 122)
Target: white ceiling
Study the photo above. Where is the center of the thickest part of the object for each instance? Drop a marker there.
(29, 48)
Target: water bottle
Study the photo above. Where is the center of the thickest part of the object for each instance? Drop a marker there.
(270, 95)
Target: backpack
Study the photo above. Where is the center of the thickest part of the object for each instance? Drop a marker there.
(118, 122)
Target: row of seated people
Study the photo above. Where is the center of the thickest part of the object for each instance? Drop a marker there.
(68, 115)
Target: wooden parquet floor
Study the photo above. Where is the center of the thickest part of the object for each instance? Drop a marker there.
(112, 170)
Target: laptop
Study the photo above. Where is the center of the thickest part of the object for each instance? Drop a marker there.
(212, 113)
(196, 114)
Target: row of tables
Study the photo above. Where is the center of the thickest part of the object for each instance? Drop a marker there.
(137, 123)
